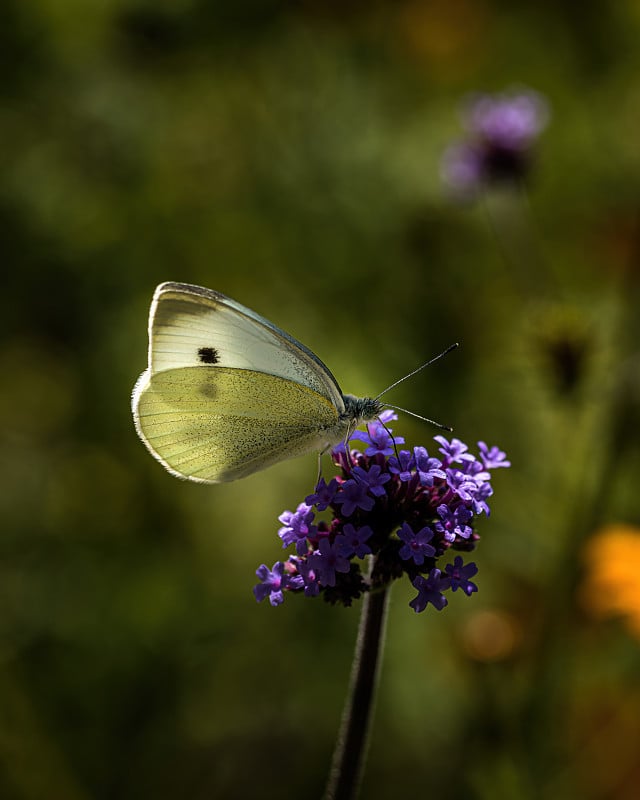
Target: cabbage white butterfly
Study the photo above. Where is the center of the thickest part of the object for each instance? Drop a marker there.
(228, 393)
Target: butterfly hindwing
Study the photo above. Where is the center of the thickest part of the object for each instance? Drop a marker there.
(221, 424)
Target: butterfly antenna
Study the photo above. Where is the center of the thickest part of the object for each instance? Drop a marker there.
(418, 416)
(415, 372)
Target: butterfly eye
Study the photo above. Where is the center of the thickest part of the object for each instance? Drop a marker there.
(208, 355)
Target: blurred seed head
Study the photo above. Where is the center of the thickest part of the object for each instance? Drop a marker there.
(563, 342)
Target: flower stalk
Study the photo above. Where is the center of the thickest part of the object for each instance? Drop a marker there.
(351, 746)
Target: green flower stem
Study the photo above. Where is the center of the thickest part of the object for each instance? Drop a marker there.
(348, 757)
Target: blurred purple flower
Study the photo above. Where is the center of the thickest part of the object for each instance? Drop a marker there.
(509, 120)
(502, 130)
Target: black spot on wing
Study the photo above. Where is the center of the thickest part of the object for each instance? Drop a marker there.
(208, 355)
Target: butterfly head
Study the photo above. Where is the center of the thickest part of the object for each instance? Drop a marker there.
(361, 409)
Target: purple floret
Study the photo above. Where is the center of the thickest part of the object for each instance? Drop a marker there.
(429, 591)
(353, 541)
(354, 495)
(428, 468)
(402, 465)
(377, 438)
(453, 522)
(458, 574)
(374, 479)
(324, 494)
(416, 546)
(273, 582)
(492, 457)
(326, 561)
(297, 527)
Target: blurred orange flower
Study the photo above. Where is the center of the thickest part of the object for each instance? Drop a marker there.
(491, 635)
(448, 35)
(611, 585)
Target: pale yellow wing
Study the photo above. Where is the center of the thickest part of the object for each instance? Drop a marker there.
(215, 425)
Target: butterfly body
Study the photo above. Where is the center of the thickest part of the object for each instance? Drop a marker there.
(227, 392)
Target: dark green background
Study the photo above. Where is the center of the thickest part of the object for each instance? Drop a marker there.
(287, 154)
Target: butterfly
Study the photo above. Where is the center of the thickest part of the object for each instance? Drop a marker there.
(228, 393)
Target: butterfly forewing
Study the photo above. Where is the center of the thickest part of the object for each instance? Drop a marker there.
(190, 326)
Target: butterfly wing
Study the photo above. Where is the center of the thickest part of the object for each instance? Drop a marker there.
(215, 425)
(193, 326)
(226, 392)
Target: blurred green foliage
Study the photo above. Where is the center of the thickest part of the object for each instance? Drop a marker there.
(287, 154)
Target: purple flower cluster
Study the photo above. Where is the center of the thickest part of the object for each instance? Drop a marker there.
(502, 130)
(405, 508)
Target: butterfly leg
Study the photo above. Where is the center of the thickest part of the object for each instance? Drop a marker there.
(395, 447)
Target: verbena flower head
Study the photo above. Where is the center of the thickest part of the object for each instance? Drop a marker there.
(412, 511)
(502, 130)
